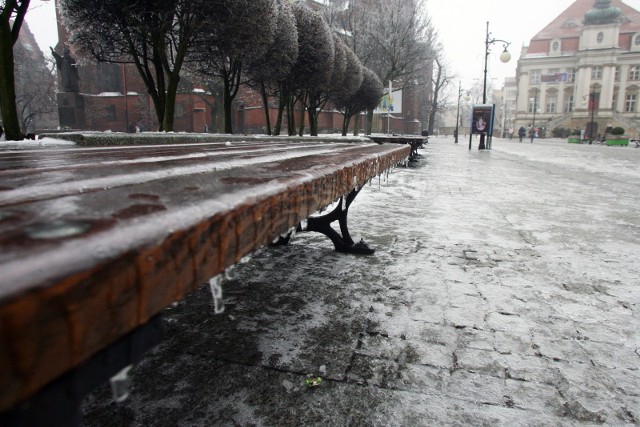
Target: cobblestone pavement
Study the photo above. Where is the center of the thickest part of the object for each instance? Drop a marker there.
(504, 291)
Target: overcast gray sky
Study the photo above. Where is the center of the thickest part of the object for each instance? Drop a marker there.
(460, 23)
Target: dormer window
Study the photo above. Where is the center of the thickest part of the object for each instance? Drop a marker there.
(636, 40)
(600, 37)
(555, 46)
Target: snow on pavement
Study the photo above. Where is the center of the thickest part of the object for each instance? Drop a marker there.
(504, 291)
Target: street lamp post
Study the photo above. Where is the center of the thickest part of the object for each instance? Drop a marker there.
(535, 108)
(592, 102)
(505, 57)
(458, 111)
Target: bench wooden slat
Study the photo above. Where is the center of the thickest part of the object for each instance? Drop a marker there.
(81, 266)
(49, 182)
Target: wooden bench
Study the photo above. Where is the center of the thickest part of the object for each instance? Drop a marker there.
(97, 241)
(415, 142)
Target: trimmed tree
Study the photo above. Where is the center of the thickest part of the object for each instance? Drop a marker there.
(268, 72)
(240, 33)
(366, 98)
(318, 96)
(342, 92)
(155, 36)
(313, 68)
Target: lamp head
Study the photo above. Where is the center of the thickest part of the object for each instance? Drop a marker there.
(505, 56)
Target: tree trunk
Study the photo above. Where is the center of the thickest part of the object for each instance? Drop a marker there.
(369, 124)
(282, 103)
(159, 108)
(281, 106)
(265, 103)
(345, 124)
(10, 120)
(438, 84)
(291, 118)
(303, 103)
(227, 100)
(153, 78)
(170, 103)
(160, 89)
(313, 121)
(356, 124)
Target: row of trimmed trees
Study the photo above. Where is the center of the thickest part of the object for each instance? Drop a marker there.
(279, 48)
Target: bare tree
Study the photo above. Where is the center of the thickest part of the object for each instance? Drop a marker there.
(35, 87)
(440, 82)
(389, 37)
(12, 13)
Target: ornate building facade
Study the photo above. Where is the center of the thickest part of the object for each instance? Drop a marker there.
(582, 71)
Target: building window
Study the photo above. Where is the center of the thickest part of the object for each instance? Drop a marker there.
(614, 102)
(111, 113)
(600, 37)
(596, 73)
(634, 72)
(551, 104)
(568, 104)
(616, 77)
(535, 76)
(572, 75)
(555, 46)
(533, 103)
(630, 103)
(636, 40)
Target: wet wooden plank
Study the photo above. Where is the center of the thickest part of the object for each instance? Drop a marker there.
(97, 241)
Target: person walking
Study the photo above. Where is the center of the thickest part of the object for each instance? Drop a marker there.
(521, 133)
(532, 133)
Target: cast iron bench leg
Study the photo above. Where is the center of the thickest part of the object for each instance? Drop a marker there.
(343, 243)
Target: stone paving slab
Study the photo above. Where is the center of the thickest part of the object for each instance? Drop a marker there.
(504, 291)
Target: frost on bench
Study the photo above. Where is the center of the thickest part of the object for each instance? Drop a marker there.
(96, 241)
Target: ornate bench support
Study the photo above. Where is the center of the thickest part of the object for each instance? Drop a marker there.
(343, 243)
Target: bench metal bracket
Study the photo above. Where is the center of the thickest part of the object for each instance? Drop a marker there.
(342, 242)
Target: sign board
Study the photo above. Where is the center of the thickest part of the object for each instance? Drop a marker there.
(390, 104)
(482, 119)
(555, 78)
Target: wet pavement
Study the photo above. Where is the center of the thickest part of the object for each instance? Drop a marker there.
(504, 291)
